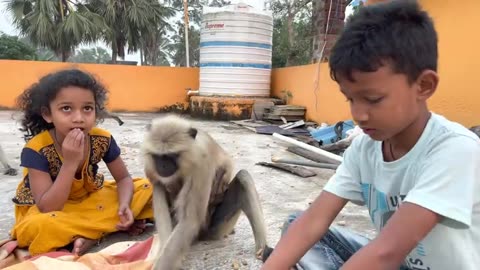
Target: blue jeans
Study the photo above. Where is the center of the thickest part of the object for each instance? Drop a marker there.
(333, 250)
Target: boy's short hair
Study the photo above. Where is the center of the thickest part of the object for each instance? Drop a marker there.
(397, 32)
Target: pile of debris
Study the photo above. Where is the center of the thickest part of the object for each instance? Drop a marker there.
(284, 113)
(312, 145)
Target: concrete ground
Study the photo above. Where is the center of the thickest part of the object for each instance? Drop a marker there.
(281, 193)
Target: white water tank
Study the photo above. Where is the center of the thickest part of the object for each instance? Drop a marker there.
(235, 51)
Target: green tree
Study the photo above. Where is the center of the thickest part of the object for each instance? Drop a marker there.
(128, 21)
(91, 55)
(12, 48)
(178, 50)
(292, 32)
(195, 11)
(157, 51)
(43, 53)
(154, 41)
(58, 25)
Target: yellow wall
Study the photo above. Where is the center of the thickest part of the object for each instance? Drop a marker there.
(132, 88)
(458, 94)
(323, 101)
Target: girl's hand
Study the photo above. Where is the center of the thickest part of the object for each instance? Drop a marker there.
(73, 147)
(126, 217)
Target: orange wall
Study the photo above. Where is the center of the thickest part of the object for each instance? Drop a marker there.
(324, 102)
(132, 88)
(458, 94)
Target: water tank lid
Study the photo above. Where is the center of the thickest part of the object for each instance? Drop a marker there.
(236, 8)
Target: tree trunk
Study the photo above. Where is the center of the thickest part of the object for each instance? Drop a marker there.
(154, 49)
(65, 56)
(291, 34)
(114, 53)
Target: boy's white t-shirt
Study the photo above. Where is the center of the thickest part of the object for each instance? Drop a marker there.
(441, 173)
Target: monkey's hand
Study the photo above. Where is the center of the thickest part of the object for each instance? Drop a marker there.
(126, 218)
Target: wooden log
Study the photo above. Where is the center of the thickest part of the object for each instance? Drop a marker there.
(307, 163)
(297, 170)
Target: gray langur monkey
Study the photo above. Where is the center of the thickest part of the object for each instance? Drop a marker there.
(194, 194)
(3, 159)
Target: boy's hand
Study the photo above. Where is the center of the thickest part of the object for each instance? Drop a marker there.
(73, 147)
(126, 218)
(305, 231)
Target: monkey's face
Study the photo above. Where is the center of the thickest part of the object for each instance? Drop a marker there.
(167, 148)
(166, 165)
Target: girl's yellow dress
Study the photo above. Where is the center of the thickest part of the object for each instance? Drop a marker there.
(92, 207)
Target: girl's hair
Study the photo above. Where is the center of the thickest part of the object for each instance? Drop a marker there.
(39, 95)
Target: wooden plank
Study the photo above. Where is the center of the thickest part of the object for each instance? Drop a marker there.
(308, 154)
(306, 163)
(297, 170)
(294, 124)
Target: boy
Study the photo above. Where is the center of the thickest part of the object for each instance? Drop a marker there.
(415, 170)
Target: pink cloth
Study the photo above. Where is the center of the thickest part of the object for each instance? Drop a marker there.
(121, 255)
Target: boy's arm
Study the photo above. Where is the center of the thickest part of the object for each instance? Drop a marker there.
(304, 232)
(408, 226)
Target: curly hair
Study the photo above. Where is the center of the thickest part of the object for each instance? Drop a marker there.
(39, 95)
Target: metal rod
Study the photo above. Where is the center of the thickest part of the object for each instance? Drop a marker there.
(334, 158)
(185, 11)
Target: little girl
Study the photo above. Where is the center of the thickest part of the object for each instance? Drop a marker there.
(62, 199)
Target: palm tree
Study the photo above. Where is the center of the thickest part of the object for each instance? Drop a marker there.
(58, 25)
(155, 43)
(96, 55)
(156, 47)
(128, 21)
(178, 46)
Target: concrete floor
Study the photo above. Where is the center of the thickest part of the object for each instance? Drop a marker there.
(281, 193)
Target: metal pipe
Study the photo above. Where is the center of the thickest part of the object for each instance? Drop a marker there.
(192, 92)
(334, 158)
(187, 51)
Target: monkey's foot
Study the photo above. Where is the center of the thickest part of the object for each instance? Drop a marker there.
(82, 245)
(264, 253)
(259, 253)
(138, 227)
(10, 171)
